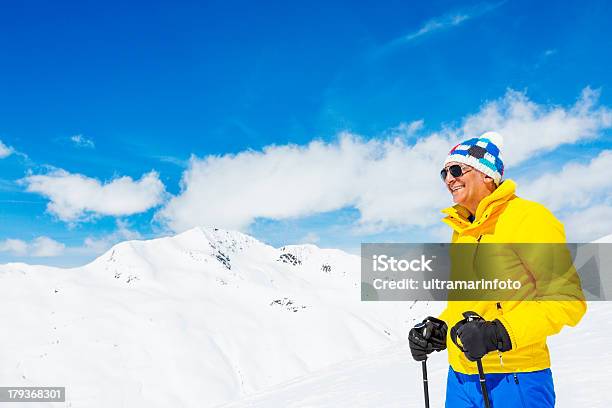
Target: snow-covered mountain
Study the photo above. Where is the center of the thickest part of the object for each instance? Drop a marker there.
(390, 378)
(199, 319)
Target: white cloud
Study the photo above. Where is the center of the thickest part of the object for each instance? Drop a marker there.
(580, 193)
(82, 141)
(14, 246)
(529, 128)
(98, 245)
(46, 247)
(5, 150)
(575, 185)
(73, 197)
(379, 178)
(310, 238)
(393, 182)
(39, 247)
(589, 224)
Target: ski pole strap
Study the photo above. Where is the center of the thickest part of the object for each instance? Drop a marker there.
(453, 335)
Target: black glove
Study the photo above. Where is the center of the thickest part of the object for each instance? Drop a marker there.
(426, 337)
(479, 337)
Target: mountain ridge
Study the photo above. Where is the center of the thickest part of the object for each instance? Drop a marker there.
(160, 319)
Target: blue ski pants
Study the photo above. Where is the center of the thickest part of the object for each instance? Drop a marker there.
(515, 390)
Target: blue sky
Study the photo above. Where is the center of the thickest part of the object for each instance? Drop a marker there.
(120, 89)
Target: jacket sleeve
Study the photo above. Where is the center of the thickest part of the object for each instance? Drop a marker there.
(558, 299)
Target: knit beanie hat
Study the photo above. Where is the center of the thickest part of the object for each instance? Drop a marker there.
(482, 153)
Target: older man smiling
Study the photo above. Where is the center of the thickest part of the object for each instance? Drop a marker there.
(487, 210)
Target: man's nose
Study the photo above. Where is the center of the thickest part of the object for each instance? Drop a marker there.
(449, 178)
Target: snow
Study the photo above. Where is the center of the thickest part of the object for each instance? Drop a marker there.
(202, 318)
(581, 358)
(607, 239)
(216, 318)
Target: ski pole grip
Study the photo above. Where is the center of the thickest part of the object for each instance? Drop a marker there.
(468, 316)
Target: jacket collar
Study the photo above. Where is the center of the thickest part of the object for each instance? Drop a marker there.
(457, 215)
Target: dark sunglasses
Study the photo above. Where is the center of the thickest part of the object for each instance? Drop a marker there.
(455, 170)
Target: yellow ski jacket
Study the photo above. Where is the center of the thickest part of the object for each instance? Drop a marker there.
(502, 217)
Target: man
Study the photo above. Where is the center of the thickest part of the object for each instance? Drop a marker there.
(511, 336)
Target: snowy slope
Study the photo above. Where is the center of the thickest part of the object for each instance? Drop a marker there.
(199, 319)
(217, 318)
(581, 359)
(606, 239)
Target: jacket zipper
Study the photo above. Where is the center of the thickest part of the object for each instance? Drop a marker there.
(476, 253)
(499, 353)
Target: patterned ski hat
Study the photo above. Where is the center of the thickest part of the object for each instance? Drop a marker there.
(482, 153)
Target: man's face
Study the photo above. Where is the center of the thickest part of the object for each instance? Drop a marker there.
(467, 188)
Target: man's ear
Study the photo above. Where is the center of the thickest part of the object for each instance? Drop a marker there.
(489, 179)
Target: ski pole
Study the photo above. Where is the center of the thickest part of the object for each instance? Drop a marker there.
(425, 383)
(423, 328)
(470, 317)
(483, 383)
(481, 375)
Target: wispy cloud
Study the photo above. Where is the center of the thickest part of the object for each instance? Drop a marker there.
(444, 22)
(40, 247)
(172, 160)
(549, 53)
(14, 246)
(436, 25)
(8, 185)
(97, 245)
(5, 150)
(405, 129)
(82, 141)
(310, 238)
(545, 56)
